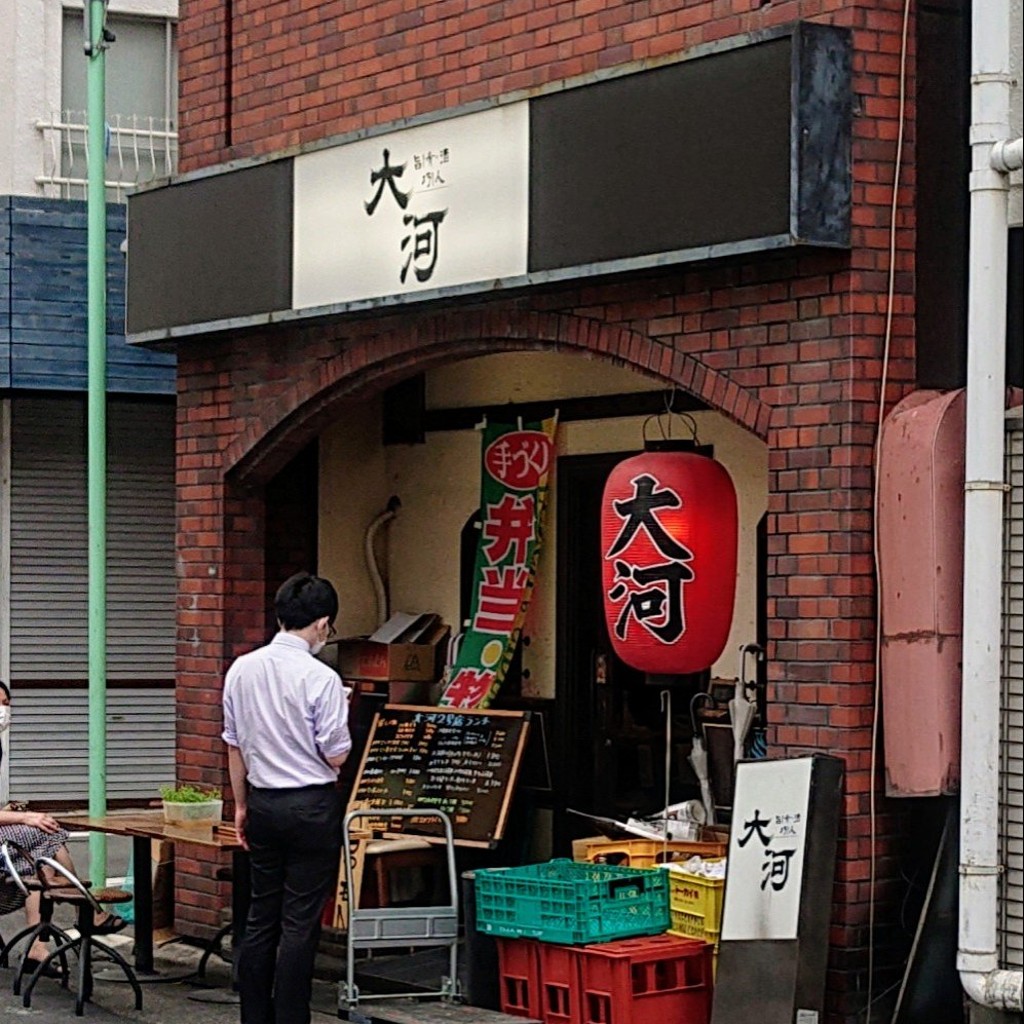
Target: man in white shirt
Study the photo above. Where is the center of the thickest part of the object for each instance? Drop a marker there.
(286, 729)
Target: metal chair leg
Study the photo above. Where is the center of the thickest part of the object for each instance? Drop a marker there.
(214, 946)
(125, 966)
(44, 931)
(84, 977)
(61, 953)
(5, 953)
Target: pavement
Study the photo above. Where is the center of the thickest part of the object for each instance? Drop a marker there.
(170, 997)
(174, 995)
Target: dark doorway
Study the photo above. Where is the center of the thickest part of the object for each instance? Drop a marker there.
(290, 537)
(610, 755)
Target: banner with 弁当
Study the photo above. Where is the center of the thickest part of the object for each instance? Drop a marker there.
(516, 464)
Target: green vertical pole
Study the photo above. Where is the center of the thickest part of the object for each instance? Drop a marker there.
(95, 51)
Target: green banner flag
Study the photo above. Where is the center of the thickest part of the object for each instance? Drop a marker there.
(516, 461)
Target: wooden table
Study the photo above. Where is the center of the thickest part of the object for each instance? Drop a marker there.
(143, 827)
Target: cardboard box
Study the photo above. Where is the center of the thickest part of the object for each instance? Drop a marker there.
(163, 884)
(407, 648)
(409, 693)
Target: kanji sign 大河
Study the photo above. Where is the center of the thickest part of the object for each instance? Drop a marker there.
(766, 856)
(669, 548)
(514, 482)
(437, 205)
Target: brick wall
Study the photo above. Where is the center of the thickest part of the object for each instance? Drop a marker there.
(257, 77)
(790, 346)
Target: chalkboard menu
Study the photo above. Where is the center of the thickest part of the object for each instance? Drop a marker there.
(462, 762)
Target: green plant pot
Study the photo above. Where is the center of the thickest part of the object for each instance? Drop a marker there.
(193, 815)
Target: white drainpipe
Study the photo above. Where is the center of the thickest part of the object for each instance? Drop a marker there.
(992, 157)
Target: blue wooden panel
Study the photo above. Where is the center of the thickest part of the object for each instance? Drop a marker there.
(43, 302)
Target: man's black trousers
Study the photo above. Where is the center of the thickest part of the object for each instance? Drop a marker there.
(294, 838)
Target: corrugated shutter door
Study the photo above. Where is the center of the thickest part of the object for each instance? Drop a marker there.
(140, 542)
(49, 597)
(49, 544)
(1012, 753)
(51, 747)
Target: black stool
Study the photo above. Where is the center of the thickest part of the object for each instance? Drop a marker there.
(44, 930)
(88, 903)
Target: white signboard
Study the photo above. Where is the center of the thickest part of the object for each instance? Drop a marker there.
(433, 206)
(766, 849)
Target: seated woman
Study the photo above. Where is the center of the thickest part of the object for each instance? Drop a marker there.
(38, 835)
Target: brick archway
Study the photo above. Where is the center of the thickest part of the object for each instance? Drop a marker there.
(276, 429)
(787, 367)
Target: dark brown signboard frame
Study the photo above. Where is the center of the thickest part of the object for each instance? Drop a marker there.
(464, 762)
(737, 146)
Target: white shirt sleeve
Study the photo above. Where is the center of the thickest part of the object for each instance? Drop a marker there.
(229, 735)
(331, 720)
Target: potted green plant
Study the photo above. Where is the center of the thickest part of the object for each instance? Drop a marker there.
(189, 805)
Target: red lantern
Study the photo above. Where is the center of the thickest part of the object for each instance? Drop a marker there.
(668, 544)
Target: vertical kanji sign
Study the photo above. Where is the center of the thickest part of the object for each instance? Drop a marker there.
(514, 487)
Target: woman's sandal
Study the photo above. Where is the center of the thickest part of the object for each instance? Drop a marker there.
(32, 965)
(109, 925)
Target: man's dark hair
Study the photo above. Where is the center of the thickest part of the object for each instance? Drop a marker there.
(302, 599)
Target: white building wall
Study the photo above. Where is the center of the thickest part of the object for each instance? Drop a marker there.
(30, 50)
(31, 44)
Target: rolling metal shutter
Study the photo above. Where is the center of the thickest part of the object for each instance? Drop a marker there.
(49, 597)
(51, 747)
(1012, 738)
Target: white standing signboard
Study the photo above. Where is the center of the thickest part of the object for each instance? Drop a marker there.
(433, 206)
(766, 849)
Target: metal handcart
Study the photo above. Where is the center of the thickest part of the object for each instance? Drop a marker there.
(399, 927)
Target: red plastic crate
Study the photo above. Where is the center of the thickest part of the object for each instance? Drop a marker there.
(639, 981)
(559, 983)
(519, 977)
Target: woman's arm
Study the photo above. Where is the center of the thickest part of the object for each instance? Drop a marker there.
(34, 819)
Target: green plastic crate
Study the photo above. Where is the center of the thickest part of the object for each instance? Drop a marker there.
(565, 901)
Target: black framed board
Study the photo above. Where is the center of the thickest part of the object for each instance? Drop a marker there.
(463, 762)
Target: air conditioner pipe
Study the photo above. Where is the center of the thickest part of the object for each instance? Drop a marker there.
(380, 591)
(992, 155)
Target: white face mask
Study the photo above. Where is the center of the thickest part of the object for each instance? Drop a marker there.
(316, 648)
(5, 717)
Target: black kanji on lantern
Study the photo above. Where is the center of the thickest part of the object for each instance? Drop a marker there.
(639, 511)
(656, 602)
(648, 606)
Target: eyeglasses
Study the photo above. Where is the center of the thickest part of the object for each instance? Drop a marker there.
(331, 631)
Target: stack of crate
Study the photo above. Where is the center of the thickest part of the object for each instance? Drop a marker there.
(695, 906)
(629, 981)
(695, 901)
(646, 853)
(583, 943)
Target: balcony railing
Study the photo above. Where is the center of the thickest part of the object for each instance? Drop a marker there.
(138, 150)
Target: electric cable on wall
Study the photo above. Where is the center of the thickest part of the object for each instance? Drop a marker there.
(887, 343)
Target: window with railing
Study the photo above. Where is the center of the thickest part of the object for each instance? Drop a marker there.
(141, 138)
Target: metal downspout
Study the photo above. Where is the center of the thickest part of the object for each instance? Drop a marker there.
(992, 156)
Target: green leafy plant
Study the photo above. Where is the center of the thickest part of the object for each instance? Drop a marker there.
(188, 794)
